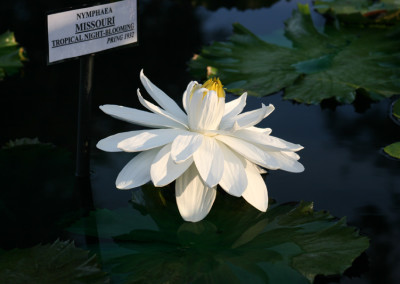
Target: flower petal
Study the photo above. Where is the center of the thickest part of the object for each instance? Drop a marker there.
(234, 107)
(139, 117)
(249, 118)
(266, 131)
(163, 170)
(110, 143)
(185, 145)
(261, 170)
(137, 171)
(291, 155)
(149, 139)
(160, 111)
(234, 179)
(205, 110)
(194, 198)
(256, 192)
(286, 163)
(209, 161)
(250, 152)
(266, 140)
(186, 95)
(161, 98)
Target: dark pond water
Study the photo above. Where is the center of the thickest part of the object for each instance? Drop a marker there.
(346, 174)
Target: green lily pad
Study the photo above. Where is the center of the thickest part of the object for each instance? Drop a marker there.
(396, 109)
(342, 6)
(11, 55)
(336, 64)
(290, 243)
(60, 262)
(361, 11)
(393, 150)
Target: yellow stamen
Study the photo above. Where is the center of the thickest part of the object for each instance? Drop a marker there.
(214, 84)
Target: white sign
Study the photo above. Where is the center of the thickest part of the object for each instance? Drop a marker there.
(84, 31)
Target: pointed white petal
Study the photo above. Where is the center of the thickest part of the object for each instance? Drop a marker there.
(234, 107)
(209, 161)
(185, 145)
(149, 139)
(161, 98)
(194, 108)
(286, 163)
(253, 117)
(249, 118)
(194, 198)
(163, 170)
(270, 142)
(234, 179)
(205, 110)
(266, 131)
(137, 171)
(261, 170)
(256, 192)
(236, 127)
(250, 152)
(291, 155)
(110, 143)
(160, 111)
(186, 95)
(139, 117)
(271, 108)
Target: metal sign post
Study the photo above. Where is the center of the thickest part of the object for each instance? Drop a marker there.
(84, 115)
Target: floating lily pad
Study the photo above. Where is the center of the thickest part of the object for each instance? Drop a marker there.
(361, 11)
(11, 55)
(396, 109)
(290, 243)
(393, 150)
(338, 63)
(60, 262)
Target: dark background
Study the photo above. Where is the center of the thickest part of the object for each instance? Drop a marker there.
(345, 174)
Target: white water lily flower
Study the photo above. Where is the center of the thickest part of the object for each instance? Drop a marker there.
(212, 143)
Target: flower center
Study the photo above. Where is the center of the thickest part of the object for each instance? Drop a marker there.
(206, 106)
(214, 84)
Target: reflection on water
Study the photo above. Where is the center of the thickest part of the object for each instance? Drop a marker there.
(290, 243)
(385, 227)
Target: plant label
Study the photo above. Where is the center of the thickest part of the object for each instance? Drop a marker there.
(93, 29)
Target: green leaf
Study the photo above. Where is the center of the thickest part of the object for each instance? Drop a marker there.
(393, 150)
(342, 6)
(60, 262)
(112, 223)
(336, 64)
(361, 11)
(11, 55)
(290, 243)
(396, 109)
